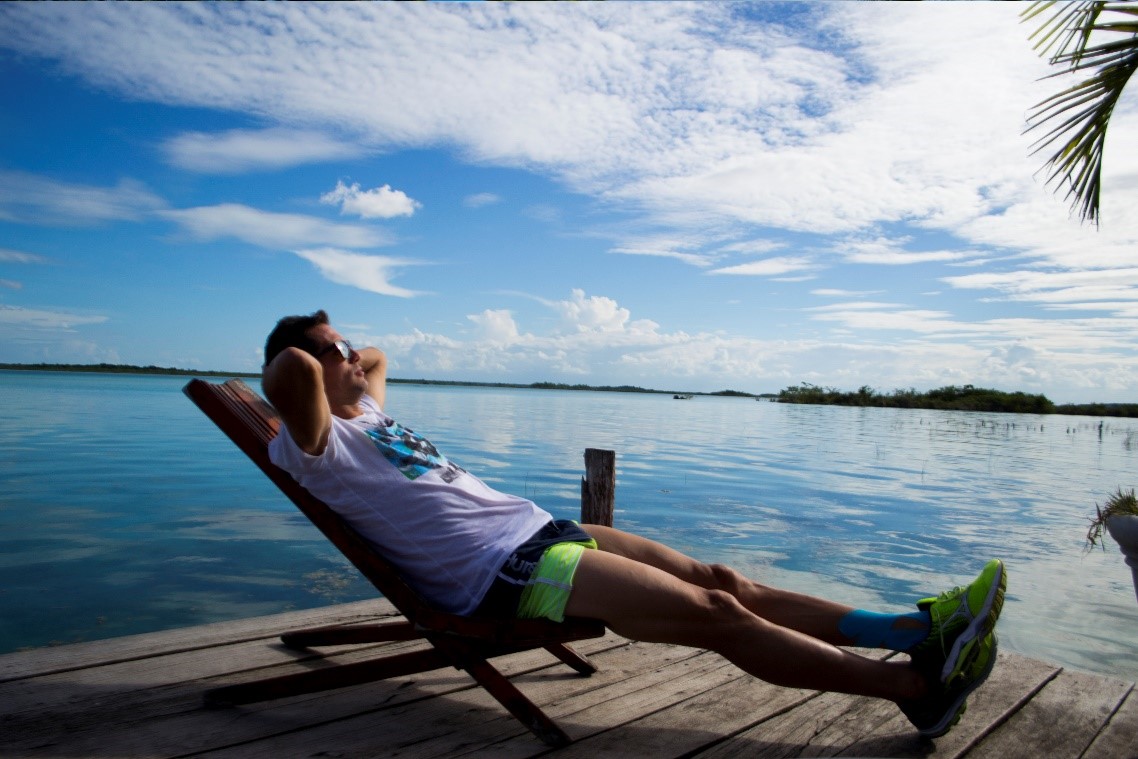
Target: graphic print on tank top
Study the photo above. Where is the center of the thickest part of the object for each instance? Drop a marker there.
(411, 453)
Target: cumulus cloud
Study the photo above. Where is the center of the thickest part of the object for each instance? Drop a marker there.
(495, 326)
(378, 203)
(271, 230)
(242, 150)
(599, 337)
(366, 272)
(595, 313)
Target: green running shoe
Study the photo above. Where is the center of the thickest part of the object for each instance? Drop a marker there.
(936, 713)
(959, 618)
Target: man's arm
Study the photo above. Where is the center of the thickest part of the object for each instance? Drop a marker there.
(374, 364)
(294, 384)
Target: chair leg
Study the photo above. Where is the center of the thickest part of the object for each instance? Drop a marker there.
(507, 694)
(575, 660)
(337, 676)
(343, 635)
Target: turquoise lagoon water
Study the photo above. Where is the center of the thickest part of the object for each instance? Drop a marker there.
(123, 510)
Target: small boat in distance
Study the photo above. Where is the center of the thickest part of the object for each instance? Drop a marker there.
(679, 397)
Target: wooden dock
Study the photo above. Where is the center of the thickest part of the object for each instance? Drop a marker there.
(141, 696)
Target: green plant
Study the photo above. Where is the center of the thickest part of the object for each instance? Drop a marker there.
(1079, 115)
(1119, 504)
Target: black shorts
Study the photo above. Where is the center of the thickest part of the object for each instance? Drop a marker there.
(501, 599)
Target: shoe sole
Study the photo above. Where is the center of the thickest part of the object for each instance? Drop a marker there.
(980, 626)
(956, 711)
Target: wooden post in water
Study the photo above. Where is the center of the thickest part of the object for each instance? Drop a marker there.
(598, 487)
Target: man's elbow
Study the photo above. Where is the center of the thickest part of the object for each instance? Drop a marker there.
(292, 372)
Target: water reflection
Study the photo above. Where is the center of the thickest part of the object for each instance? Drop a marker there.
(122, 509)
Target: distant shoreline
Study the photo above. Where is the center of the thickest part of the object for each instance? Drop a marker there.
(173, 372)
(950, 398)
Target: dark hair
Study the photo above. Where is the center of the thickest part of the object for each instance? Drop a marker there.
(292, 332)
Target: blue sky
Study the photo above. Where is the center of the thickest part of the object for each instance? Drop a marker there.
(677, 196)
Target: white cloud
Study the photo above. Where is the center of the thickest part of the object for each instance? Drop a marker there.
(495, 326)
(378, 203)
(601, 339)
(826, 292)
(20, 257)
(271, 230)
(371, 273)
(31, 199)
(695, 119)
(16, 316)
(892, 253)
(480, 199)
(242, 150)
(11, 284)
(769, 267)
(592, 313)
(675, 111)
(664, 249)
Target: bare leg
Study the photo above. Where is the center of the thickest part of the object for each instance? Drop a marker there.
(816, 617)
(646, 603)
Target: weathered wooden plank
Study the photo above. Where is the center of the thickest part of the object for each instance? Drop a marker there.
(839, 725)
(784, 731)
(696, 723)
(1014, 681)
(145, 701)
(589, 714)
(79, 706)
(168, 720)
(99, 653)
(468, 720)
(1061, 720)
(1120, 736)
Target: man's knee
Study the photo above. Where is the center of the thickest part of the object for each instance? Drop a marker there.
(722, 606)
(723, 577)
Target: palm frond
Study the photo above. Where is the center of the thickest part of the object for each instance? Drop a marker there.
(1083, 111)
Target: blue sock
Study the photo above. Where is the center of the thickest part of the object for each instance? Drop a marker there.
(871, 629)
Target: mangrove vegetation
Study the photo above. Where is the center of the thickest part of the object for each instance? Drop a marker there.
(951, 397)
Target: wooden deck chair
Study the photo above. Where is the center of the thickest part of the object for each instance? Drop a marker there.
(466, 643)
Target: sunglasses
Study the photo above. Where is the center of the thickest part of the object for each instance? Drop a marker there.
(343, 346)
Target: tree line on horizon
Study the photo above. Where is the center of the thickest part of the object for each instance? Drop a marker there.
(951, 397)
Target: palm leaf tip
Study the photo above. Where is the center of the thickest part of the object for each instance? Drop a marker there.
(1065, 36)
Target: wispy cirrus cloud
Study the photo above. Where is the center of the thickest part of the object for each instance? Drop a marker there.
(893, 253)
(282, 231)
(32, 199)
(480, 199)
(20, 257)
(40, 319)
(238, 151)
(366, 272)
(770, 267)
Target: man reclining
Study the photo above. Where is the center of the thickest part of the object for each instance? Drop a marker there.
(472, 550)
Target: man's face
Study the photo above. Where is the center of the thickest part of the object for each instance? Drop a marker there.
(344, 379)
